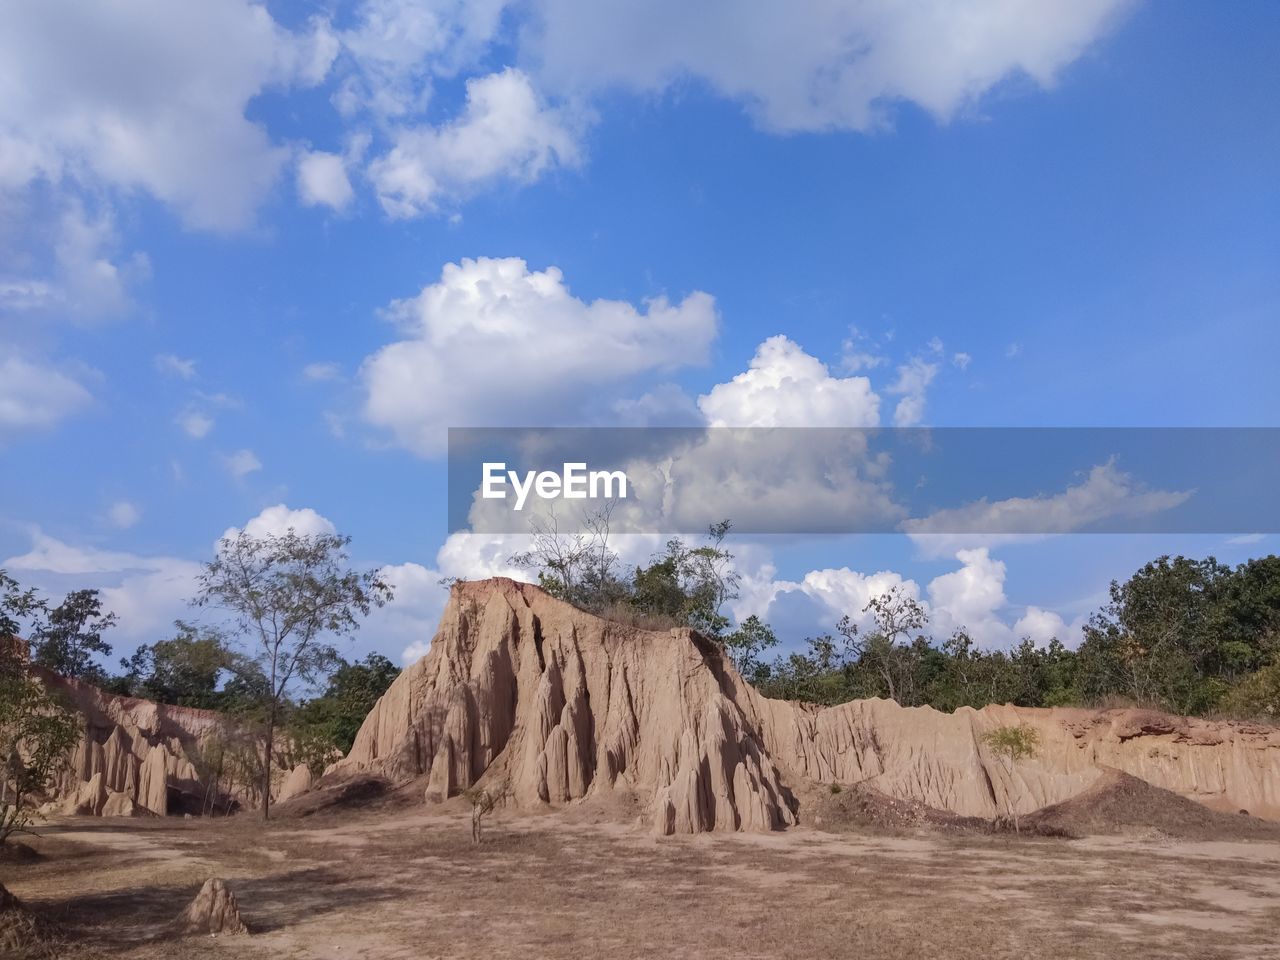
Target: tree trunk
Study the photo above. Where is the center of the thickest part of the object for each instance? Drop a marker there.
(266, 767)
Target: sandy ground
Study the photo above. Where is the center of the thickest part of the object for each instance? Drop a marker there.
(412, 885)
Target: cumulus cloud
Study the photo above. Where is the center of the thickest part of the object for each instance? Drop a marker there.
(277, 520)
(970, 597)
(1106, 494)
(146, 593)
(911, 384)
(156, 101)
(817, 66)
(1041, 626)
(786, 387)
(35, 396)
(242, 463)
(395, 49)
(195, 424)
(493, 342)
(505, 132)
(409, 621)
(322, 180)
(122, 514)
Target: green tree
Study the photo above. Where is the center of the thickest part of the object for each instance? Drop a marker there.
(1258, 695)
(16, 606)
(746, 645)
(71, 636)
(1011, 744)
(331, 721)
(286, 594)
(186, 670)
(888, 649)
(1157, 640)
(37, 731)
(688, 584)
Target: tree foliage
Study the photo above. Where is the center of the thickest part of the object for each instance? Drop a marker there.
(683, 584)
(188, 670)
(330, 722)
(286, 594)
(70, 637)
(1188, 636)
(37, 731)
(1013, 743)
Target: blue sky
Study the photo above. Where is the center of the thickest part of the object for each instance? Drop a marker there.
(1052, 213)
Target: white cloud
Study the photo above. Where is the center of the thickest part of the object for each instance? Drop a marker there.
(1245, 539)
(195, 424)
(961, 360)
(409, 621)
(396, 48)
(857, 354)
(91, 285)
(820, 65)
(322, 371)
(666, 405)
(504, 133)
(1107, 493)
(156, 100)
(786, 387)
(22, 295)
(242, 463)
(176, 366)
(322, 180)
(122, 514)
(278, 520)
(146, 593)
(913, 381)
(493, 343)
(1041, 626)
(36, 396)
(971, 598)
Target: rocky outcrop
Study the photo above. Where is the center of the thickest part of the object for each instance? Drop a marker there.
(214, 912)
(138, 758)
(566, 707)
(295, 784)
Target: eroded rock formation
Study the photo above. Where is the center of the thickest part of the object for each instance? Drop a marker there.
(213, 912)
(565, 706)
(139, 758)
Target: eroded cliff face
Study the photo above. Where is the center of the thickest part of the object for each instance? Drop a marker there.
(135, 757)
(564, 706)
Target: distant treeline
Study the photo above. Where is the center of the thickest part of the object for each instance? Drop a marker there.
(1188, 636)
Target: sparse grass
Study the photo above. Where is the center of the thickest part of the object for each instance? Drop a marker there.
(410, 884)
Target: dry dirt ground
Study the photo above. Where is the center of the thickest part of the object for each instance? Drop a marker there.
(410, 884)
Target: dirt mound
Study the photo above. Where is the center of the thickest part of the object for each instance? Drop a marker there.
(862, 806)
(519, 687)
(22, 933)
(1117, 803)
(362, 790)
(214, 912)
